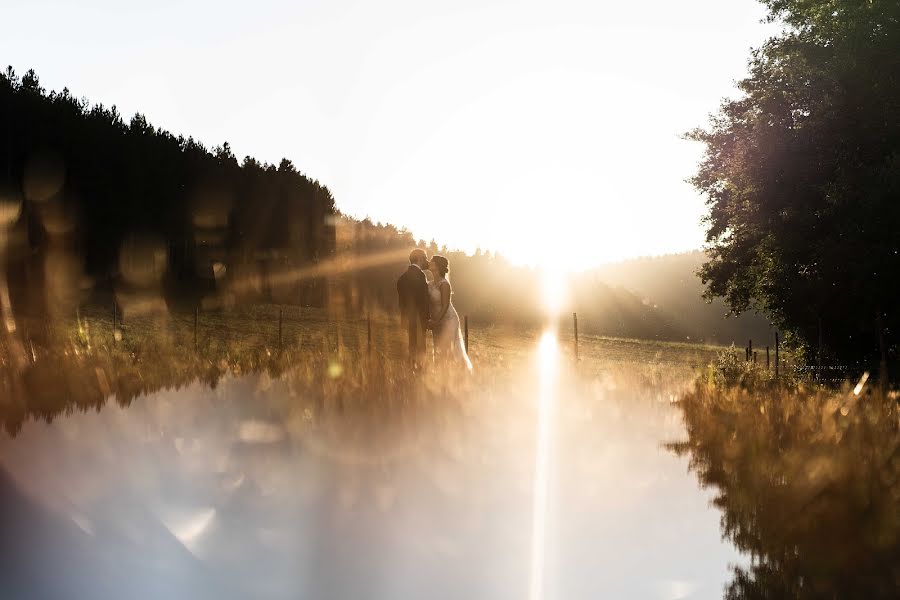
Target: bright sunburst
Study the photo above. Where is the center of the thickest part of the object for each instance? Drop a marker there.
(554, 290)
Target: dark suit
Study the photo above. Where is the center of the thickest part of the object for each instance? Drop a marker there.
(412, 289)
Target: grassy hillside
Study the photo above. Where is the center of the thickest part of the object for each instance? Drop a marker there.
(670, 284)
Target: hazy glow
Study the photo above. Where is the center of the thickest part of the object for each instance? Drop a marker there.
(546, 131)
(189, 530)
(547, 357)
(554, 289)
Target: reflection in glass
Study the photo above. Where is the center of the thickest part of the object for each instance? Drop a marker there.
(808, 486)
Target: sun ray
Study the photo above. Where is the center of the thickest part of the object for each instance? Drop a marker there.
(547, 357)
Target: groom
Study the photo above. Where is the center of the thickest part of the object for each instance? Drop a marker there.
(412, 289)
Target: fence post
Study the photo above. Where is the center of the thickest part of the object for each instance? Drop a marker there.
(754, 357)
(280, 317)
(466, 320)
(750, 349)
(767, 358)
(777, 357)
(575, 323)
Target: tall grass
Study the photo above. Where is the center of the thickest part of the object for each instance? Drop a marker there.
(807, 478)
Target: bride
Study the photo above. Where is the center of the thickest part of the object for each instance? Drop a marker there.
(444, 323)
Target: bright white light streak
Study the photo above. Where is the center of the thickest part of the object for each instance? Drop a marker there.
(862, 383)
(189, 531)
(547, 369)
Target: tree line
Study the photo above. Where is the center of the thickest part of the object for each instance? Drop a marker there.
(78, 177)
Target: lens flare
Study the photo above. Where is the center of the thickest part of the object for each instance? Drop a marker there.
(547, 356)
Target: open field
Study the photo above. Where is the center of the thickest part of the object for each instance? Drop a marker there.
(54, 364)
(268, 328)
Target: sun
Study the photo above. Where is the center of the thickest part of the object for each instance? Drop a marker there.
(554, 290)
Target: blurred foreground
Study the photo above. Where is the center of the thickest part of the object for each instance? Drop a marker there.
(314, 464)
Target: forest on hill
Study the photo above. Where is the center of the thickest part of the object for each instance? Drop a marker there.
(92, 205)
(651, 298)
(114, 198)
(670, 282)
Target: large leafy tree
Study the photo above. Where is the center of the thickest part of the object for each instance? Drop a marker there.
(802, 179)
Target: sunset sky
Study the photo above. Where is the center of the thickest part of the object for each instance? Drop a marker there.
(547, 131)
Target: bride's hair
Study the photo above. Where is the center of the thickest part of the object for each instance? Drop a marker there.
(442, 264)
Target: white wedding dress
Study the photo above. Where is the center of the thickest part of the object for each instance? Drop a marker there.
(449, 346)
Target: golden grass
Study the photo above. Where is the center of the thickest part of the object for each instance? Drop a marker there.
(808, 481)
(53, 366)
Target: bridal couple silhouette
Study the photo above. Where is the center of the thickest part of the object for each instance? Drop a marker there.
(425, 304)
